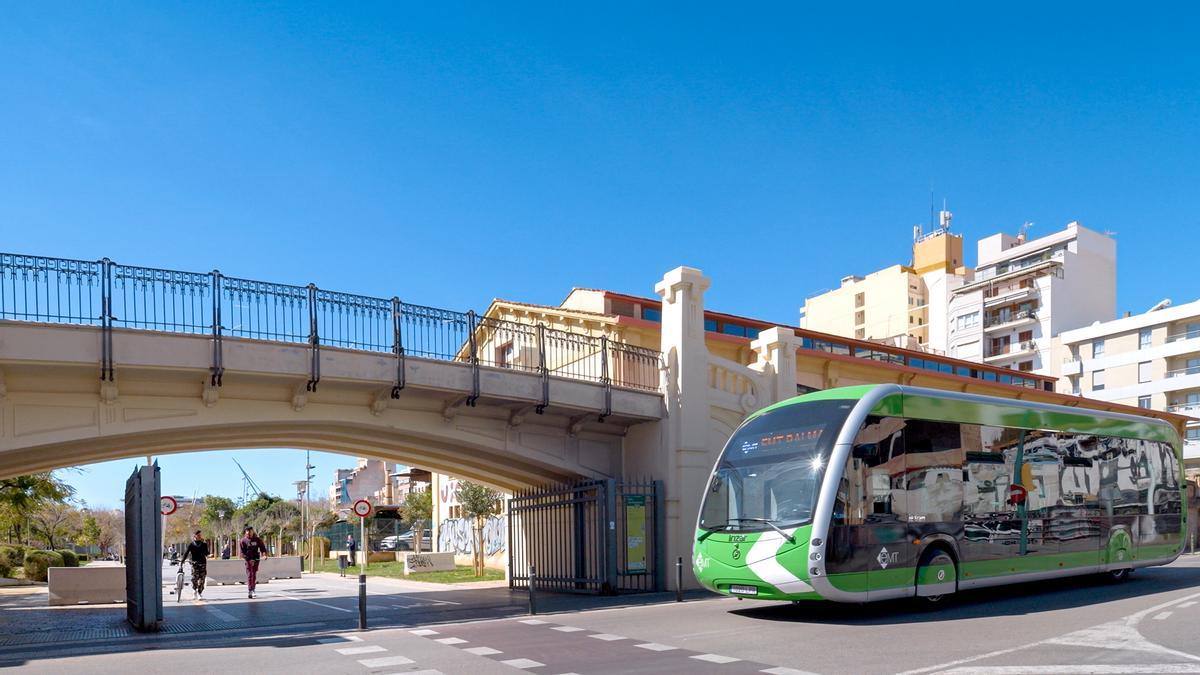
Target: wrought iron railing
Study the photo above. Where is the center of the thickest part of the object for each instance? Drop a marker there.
(107, 294)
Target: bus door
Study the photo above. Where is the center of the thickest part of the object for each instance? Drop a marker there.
(1034, 495)
(1119, 499)
(883, 547)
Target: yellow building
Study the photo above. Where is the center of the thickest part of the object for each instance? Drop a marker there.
(903, 305)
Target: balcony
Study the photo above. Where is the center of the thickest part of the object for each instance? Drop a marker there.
(1189, 409)
(1183, 372)
(1009, 320)
(1072, 367)
(1008, 295)
(1015, 349)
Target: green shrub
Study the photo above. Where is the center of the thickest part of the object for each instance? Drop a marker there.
(320, 547)
(38, 564)
(12, 556)
(70, 559)
(5, 568)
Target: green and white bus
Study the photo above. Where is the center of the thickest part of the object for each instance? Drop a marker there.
(873, 492)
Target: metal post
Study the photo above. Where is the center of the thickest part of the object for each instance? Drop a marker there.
(543, 373)
(610, 536)
(605, 379)
(362, 600)
(679, 579)
(314, 340)
(532, 587)
(474, 354)
(398, 346)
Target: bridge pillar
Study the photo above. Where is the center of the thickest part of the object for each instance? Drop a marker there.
(776, 352)
(680, 451)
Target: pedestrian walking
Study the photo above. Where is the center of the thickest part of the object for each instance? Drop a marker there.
(252, 548)
(225, 552)
(197, 552)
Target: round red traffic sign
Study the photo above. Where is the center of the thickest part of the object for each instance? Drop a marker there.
(362, 508)
(167, 505)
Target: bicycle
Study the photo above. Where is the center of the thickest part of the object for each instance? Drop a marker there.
(179, 583)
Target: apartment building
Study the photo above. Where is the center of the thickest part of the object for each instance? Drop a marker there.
(1151, 360)
(365, 481)
(1025, 292)
(904, 305)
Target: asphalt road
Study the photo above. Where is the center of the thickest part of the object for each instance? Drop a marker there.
(1086, 625)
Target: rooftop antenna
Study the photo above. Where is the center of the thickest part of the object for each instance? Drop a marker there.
(1023, 235)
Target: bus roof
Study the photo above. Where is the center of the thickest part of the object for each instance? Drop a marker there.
(1139, 422)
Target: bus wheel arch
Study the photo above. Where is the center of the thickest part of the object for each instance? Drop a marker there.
(937, 573)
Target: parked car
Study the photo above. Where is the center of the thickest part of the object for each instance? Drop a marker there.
(404, 542)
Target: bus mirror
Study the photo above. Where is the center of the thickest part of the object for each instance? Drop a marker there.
(866, 450)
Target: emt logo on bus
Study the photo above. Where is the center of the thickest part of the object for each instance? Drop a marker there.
(886, 558)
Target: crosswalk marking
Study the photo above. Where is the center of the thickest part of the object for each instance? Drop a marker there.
(339, 638)
(607, 637)
(482, 651)
(523, 664)
(715, 658)
(566, 629)
(423, 632)
(655, 647)
(386, 661)
(369, 649)
(781, 670)
(533, 622)
(450, 641)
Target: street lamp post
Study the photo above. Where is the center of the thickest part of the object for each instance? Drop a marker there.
(221, 536)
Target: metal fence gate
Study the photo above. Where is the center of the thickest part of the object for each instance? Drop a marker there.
(594, 536)
(143, 545)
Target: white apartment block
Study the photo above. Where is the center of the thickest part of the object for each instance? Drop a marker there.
(1150, 360)
(1026, 292)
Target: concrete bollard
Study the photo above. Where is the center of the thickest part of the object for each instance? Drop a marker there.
(532, 590)
(679, 579)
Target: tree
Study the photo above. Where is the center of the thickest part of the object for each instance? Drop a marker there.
(478, 502)
(416, 509)
(112, 529)
(22, 495)
(55, 523)
(217, 519)
(89, 533)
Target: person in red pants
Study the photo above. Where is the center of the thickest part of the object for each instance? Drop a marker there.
(252, 548)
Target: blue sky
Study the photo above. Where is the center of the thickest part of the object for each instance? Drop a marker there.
(449, 154)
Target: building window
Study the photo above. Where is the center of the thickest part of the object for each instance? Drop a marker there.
(710, 325)
(1193, 366)
(1144, 402)
(860, 299)
(1193, 434)
(1144, 338)
(860, 333)
(505, 355)
(1025, 366)
(1193, 330)
(1097, 348)
(966, 321)
(1143, 372)
(1097, 380)
(860, 317)
(652, 314)
(1025, 336)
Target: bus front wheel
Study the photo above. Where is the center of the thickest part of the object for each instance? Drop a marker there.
(1117, 576)
(937, 576)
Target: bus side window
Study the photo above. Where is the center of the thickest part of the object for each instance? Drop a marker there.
(934, 479)
(880, 468)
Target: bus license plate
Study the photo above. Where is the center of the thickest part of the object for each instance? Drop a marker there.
(743, 590)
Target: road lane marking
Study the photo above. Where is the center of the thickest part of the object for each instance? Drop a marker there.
(1187, 604)
(312, 602)
(785, 671)
(714, 658)
(523, 664)
(567, 629)
(1081, 669)
(533, 622)
(450, 641)
(423, 632)
(482, 651)
(607, 637)
(386, 661)
(339, 638)
(655, 647)
(1095, 636)
(1162, 616)
(369, 649)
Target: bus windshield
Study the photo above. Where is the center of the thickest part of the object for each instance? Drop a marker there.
(770, 472)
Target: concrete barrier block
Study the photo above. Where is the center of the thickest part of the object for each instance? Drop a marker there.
(233, 571)
(428, 562)
(86, 585)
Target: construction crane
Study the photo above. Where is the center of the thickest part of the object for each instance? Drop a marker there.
(250, 489)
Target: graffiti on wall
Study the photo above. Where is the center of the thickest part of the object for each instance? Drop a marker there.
(457, 535)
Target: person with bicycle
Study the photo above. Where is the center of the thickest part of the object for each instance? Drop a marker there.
(197, 553)
(252, 547)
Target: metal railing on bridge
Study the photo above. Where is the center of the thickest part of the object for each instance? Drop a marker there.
(111, 295)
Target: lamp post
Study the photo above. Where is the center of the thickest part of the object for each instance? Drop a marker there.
(221, 537)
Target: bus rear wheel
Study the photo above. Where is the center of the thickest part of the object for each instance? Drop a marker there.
(937, 577)
(1117, 576)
